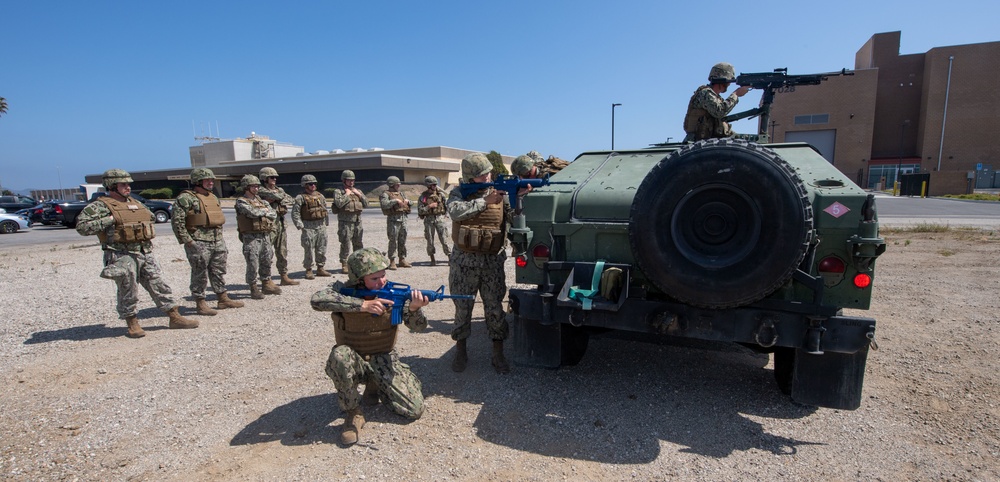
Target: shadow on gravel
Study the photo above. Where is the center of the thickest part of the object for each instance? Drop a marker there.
(151, 319)
(622, 401)
(307, 421)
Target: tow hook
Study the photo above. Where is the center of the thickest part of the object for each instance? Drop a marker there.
(871, 338)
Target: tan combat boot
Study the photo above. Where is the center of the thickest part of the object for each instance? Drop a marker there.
(179, 322)
(270, 288)
(134, 330)
(404, 264)
(226, 302)
(255, 292)
(286, 281)
(392, 263)
(203, 309)
(461, 357)
(344, 269)
(353, 422)
(309, 274)
(498, 360)
(322, 272)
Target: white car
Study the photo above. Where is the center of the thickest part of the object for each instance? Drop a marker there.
(10, 223)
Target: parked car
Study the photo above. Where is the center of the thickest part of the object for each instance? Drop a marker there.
(16, 202)
(10, 223)
(34, 213)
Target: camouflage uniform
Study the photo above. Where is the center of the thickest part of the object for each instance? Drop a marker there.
(435, 219)
(349, 228)
(522, 165)
(257, 248)
(128, 264)
(395, 210)
(707, 109)
(350, 364)
(205, 247)
(281, 202)
(314, 238)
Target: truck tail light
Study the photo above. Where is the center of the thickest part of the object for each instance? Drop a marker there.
(521, 261)
(540, 252)
(862, 280)
(831, 264)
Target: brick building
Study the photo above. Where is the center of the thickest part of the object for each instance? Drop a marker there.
(933, 113)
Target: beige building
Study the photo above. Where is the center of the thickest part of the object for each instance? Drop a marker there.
(933, 113)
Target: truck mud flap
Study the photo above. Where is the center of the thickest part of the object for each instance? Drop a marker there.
(831, 380)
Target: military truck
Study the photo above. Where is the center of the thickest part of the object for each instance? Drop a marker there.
(723, 240)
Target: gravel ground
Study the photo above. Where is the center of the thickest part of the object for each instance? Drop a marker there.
(244, 396)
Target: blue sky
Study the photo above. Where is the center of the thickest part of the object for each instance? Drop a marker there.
(92, 85)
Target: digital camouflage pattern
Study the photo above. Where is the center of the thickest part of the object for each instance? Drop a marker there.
(535, 156)
(395, 222)
(111, 177)
(364, 262)
(722, 72)
(521, 167)
(128, 264)
(313, 237)
(205, 247)
(350, 231)
(706, 110)
(200, 174)
(281, 202)
(435, 218)
(470, 273)
(257, 248)
(475, 165)
(396, 383)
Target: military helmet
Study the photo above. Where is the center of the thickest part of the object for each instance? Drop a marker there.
(266, 172)
(522, 166)
(308, 179)
(392, 181)
(249, 180)
(364, 262)
(346, 175)
(475, 165)
(535, 156)
(200, 174)
(722, 72)
(112, 177)
(430, 180)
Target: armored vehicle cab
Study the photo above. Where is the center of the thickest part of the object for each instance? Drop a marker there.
(724, 240)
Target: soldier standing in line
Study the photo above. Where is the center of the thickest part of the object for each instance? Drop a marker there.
(479, 229)
(310, 215)
(431, 208)
(125, 228)
(281, 202)
(197, 223)
(255, 218)
(395, 206)
(365, 351)
(707, 109)
(348, 203)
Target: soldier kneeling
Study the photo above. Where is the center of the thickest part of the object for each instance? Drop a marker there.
(365, 352)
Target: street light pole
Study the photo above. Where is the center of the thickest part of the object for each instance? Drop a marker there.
(613, 125)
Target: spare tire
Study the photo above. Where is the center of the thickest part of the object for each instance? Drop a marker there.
(720, 223)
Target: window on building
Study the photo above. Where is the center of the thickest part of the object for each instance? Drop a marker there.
(887, 173)
(812, 119)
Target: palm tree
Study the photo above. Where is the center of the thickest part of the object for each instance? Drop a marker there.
(3, 106)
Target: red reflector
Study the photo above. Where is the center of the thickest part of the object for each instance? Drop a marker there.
(58, 209)
(521, 261)
(540, 251)
(831, 264)
(862, 280)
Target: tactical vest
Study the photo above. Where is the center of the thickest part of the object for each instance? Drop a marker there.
(366, 334)
(699, 124)
(247, 224)
(278, 206)
(482, 233)
(209, 215)
(427, 197)
(133, 222)
(551, 166)
(398, 208)
(354, 206)
(313, 207)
